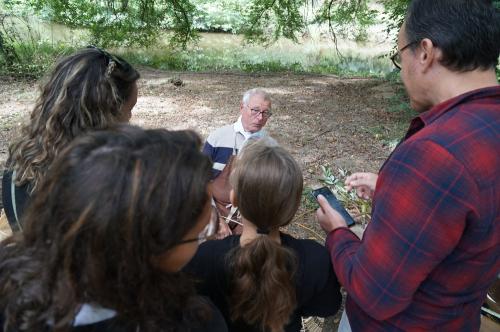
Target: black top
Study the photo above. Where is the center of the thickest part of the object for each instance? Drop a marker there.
(14, 205)
(116, 324)
(318, 291)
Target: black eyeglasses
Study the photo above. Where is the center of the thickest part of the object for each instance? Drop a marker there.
(396, 57)
(255, 113)
(210, 230)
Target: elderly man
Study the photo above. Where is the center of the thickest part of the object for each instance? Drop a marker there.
(433, 245)
(223, 145)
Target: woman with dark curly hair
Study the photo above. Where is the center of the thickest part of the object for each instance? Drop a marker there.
(117, 216)
(88, 90)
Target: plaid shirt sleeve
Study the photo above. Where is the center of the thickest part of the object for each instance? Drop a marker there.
(423, 198)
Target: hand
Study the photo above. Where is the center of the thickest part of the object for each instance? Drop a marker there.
(328, 218)
(364, 183)
(224, 230)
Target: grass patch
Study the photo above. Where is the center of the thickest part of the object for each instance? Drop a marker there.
(36, 45)
(238, 59)
(32, 60)
(9, 121)
(30, 47)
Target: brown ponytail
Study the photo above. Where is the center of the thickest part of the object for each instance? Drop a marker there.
(268, 187)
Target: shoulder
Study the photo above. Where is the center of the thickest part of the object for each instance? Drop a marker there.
(211, 254)
(434, 158)
(468, 132)
(309, 252)
(221, 135)
(220, 245)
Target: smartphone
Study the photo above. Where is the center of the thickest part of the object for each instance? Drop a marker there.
(334, 203)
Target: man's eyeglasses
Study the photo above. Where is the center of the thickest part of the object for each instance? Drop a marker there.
(255, 112)
(210, 230)
(396, 57)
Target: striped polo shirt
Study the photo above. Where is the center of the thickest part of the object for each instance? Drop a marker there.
(226, 141)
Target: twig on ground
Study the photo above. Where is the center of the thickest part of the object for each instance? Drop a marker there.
(317, 237)
(318, 135)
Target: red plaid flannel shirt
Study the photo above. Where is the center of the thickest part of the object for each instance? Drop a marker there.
(432, 248)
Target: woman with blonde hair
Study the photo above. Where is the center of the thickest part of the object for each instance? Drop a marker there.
(91, 89)
(265, 280)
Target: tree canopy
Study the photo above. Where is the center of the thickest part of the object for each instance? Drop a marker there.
(139, 22)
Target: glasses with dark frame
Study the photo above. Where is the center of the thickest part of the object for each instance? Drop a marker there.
(210, 230)
(255, 112)
(396, 57)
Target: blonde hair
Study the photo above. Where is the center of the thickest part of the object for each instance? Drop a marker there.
(268, 184)
(84, 91)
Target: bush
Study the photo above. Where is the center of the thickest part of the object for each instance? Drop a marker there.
(219, 16)
(23, 53)
(271, 66)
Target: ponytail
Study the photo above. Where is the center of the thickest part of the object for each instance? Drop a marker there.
(262, 285)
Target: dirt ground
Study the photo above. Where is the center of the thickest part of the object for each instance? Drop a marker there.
(320, 119)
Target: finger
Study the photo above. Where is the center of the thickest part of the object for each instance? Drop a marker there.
(348, 181)
(353, 176)
(358, 181)
(323, 203)
(324, 206)
(360, 191)
(352, 185)
(319, 213)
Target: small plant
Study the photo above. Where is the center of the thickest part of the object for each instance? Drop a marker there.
(309, 203)
(358, 207)
(23, 52)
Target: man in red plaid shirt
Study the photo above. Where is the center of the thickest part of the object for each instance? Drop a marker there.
(432, 248)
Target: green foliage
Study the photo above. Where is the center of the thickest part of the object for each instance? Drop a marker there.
(267, 20)
(394, 13)
(255, 59)
(23, 52)
(33, 59)
(271, 66)
(122, 22)
(114, 23)
(219, 16)
(308, 201)
(358, 207)
(347, 17)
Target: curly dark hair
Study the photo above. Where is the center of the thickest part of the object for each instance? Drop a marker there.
(112, 201)
(84, 91)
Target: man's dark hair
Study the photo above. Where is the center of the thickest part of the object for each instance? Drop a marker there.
(467, 32)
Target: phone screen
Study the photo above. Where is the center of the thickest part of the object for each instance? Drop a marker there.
(334, 203)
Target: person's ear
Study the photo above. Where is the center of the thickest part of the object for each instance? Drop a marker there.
(428, 55)
(241, 107)
(232, 198)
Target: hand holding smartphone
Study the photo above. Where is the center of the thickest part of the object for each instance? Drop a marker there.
(335, 204)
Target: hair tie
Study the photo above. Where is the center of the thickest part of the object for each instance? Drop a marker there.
(262, 231)
(111, 67)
